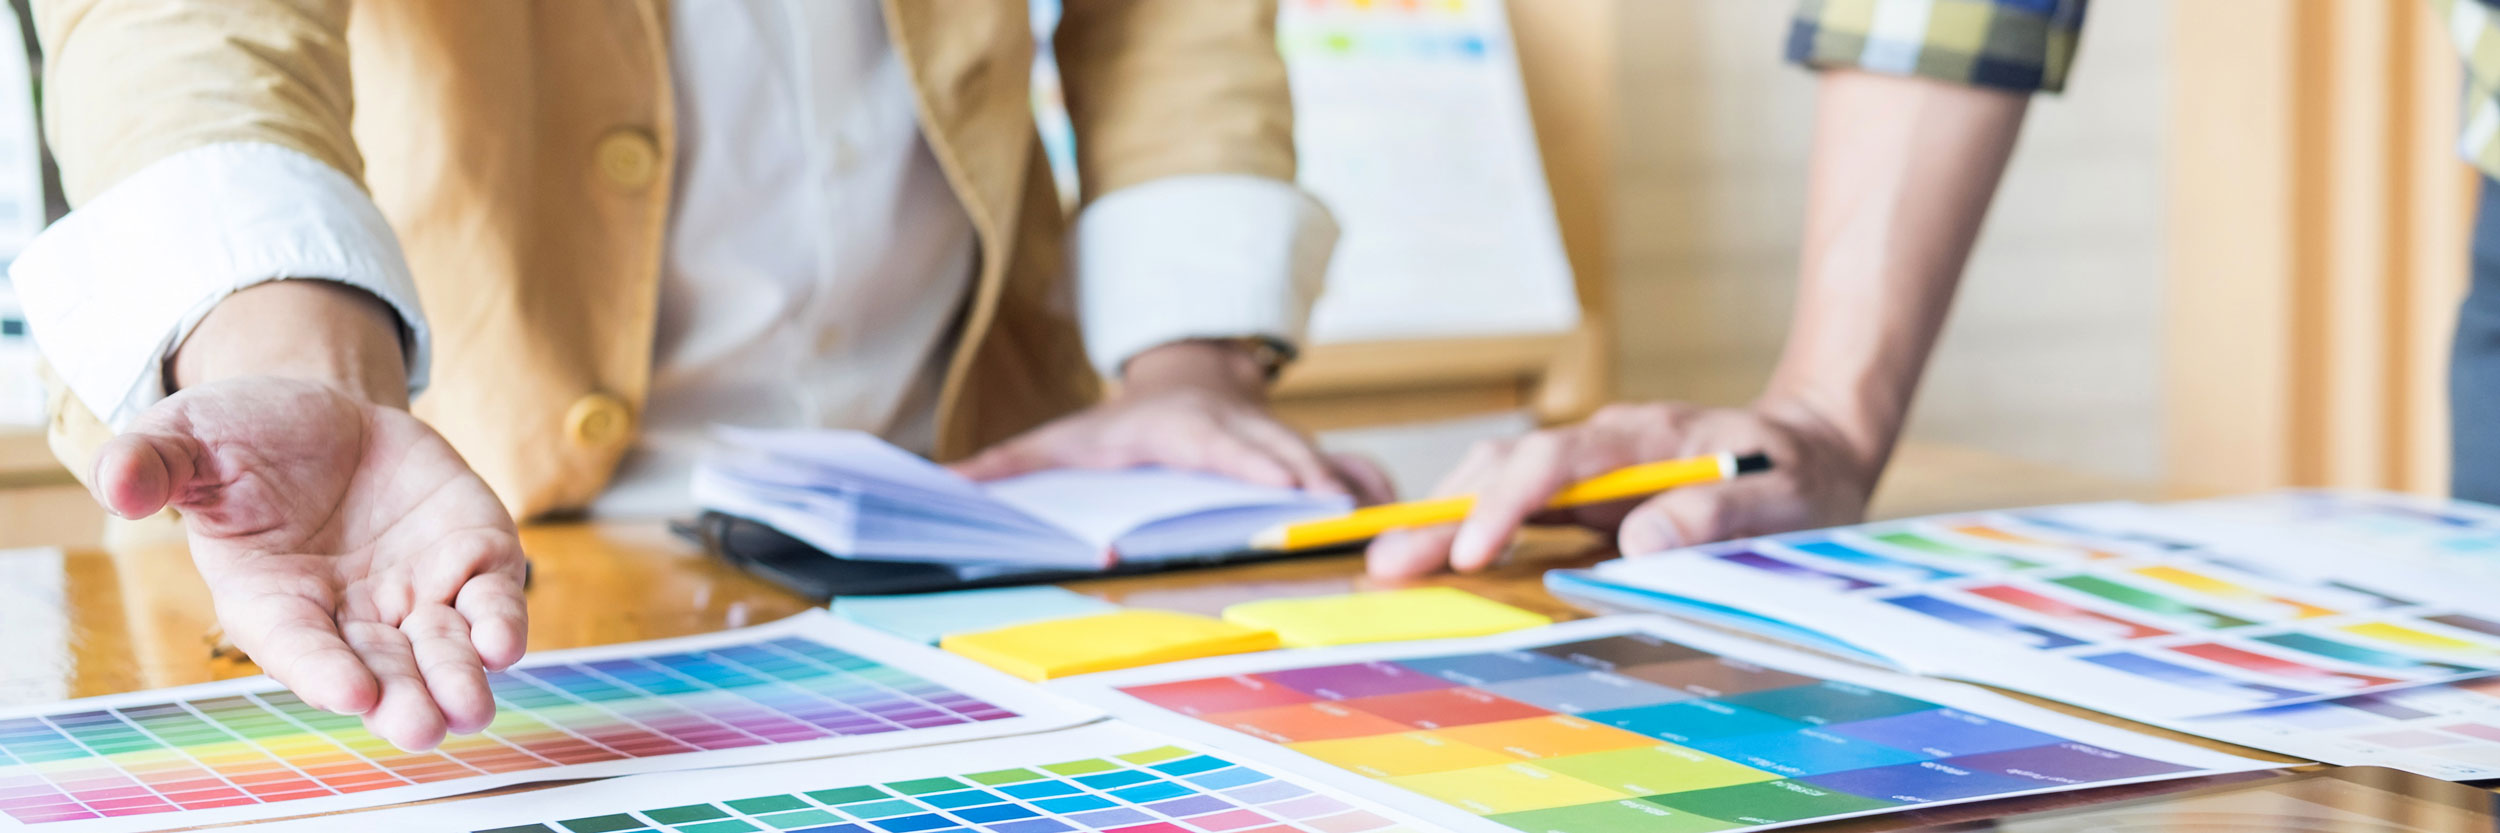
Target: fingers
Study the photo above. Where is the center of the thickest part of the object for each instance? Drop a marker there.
(1537, 467)
(479, 573)
(498, 619)
(1290, 451)
(1409, 553)
(1403, 554)
(1371, 483)
(1678, 518)
(447, 660)
(405, 714)
(1233, 456)
(136, 474)
(295, 640)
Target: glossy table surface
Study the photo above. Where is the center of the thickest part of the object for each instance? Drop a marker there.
(84, 621)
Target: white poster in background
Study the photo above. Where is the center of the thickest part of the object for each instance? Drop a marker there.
(1412, 125)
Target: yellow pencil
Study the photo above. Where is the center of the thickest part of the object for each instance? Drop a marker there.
(1629, 481)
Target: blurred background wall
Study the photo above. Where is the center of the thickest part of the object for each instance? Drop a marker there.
(2226, 258)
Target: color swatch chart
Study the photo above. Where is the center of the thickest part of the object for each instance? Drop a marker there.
(1104, 777)
(2450, 731)
(245, 749)
(1632, 724)
(2098, 605)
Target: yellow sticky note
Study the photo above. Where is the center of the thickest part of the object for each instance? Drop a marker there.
(1421, 613)
(1086, 644)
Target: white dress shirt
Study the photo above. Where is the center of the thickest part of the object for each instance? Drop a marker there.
(815, 258)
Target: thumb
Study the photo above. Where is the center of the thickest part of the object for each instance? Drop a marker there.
(138, 473)
(1680, 518)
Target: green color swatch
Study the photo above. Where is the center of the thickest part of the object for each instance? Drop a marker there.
(1931, 546)
(1769, 802)
(602, 824)
(2146, 600)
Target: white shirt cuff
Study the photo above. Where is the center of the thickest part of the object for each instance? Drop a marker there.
(113, 288)
(1202, 256)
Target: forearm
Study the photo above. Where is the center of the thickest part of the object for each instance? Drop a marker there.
(1901, 175)
(301, 329)
(1219, 365)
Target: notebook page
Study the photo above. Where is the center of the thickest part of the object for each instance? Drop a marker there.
(853, 495)
(1099, 506)
(855, 453)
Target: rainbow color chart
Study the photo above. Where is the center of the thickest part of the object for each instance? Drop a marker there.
(1105, 777)
(2099, 605)
(246, 749)
(1629, 723)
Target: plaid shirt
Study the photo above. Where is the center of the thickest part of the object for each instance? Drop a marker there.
(2474, 26)
(2009, 44)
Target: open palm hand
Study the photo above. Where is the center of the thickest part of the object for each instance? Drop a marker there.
(349, 549)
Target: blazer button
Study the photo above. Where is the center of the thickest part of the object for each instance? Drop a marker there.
(628, 158)
(598, 421)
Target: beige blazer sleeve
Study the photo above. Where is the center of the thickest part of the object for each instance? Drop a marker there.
(1159, 88)
(129, 82)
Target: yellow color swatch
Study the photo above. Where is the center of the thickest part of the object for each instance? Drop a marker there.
(1509, 788)
(1392, 616)
(1405, 753)
(1652, 770)
(1552, 736)
(1123, 639)
(2222, 589)
(2401, 635)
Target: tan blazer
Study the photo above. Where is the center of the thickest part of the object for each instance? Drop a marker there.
(522, 149)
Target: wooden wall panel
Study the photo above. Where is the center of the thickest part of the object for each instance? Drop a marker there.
(2319, 217)
(2231, 306)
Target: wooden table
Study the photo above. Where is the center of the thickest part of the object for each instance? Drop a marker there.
(137, 617)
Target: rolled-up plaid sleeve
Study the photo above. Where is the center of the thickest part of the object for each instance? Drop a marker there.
(2024, 45)
(2474, 28)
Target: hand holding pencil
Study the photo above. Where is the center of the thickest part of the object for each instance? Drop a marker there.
(1818, 478)
(1640, 480)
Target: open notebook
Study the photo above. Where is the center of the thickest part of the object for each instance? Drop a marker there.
(855, 496)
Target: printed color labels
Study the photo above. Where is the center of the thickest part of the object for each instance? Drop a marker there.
(1631, 731)
(1147, 791)
(237, 746)
(1103, 777)
(2104, 605)
(2447, 731)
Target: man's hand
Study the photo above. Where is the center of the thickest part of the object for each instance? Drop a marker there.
(350, 551)
(1817, 478)
(1902, 171)
(1190, 405)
